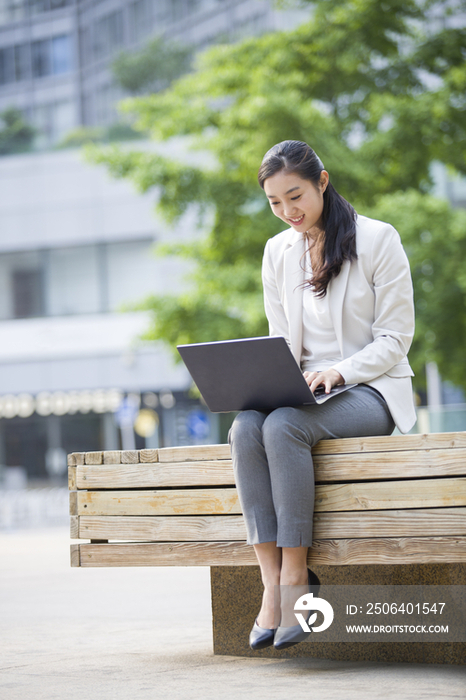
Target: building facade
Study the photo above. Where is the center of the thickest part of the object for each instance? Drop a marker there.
(56, 55)
(76, 247)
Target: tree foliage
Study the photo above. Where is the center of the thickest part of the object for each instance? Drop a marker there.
(153, 67)
(377, 88)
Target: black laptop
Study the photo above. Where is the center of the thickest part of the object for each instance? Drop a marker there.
(251, 373)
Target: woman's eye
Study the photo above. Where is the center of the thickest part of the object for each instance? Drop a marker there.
(274, 203)
(293, 198)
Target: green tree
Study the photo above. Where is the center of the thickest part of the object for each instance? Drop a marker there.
(153, 67)
(16, 135)
(375, 87)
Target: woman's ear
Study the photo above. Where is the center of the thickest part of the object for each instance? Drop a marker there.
(324, 179)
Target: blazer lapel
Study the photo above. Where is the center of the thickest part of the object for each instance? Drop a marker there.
(294, 278)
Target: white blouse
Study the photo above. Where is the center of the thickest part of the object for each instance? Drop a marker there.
(320, 346)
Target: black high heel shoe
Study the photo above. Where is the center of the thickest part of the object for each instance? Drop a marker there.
(260, 637)
(289, 636)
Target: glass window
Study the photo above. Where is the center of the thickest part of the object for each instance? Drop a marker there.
(12, 11)
(21, 285)
(141, 18)
(74, 281)
(133, 272)
(7, 65)
(41, 58)
(61, 54)
(108, 34)
(28, 298)
(58, 4)
(21, 62)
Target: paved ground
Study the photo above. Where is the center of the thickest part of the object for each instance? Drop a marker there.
(107, 634)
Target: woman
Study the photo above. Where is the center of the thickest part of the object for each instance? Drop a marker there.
(338, 287)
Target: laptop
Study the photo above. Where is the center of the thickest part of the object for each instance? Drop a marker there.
(250, 373)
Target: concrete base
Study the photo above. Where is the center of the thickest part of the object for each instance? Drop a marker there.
(236, 599)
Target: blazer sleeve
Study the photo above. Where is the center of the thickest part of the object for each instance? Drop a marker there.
(393, 321)
(273, 303)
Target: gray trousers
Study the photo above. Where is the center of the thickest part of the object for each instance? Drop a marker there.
(273, 466)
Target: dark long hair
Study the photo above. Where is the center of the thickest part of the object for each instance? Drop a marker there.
(338, 216)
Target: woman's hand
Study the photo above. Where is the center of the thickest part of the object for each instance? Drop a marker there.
(328, 379)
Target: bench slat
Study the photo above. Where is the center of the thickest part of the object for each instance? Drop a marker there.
(194, 453)
(390, 443)
(390, 523)
(171, 502)
(328, 468)
(415, 550)
(418, 493)
(158, 475)
(428, 493)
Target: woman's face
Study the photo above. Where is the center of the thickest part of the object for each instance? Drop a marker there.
(297, 202)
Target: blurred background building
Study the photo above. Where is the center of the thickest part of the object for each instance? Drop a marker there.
(76, 246)
(55, 55)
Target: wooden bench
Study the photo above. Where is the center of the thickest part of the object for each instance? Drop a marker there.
(379, 500)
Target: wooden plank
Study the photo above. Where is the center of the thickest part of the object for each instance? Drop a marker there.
(328, 468)
(75, 555)
(170, 502)
(71, 460)
(194, 453)
(168, 554)
(390, 465)
(73, 503)
(415, 550)
(129, 457)
(427, 493)
(93, 458)
(429, 522)
(72, 478)
(112, 457)
(389, 443)
(163, 528)
(158, 475)
(79, 457)
(149, 456)
(396, 550)
(417, 493)
(74, 527)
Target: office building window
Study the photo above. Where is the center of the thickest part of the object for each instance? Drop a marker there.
(84, 279)
(12, 11)
(140, 18)
(37, 7)
(7, 65)
(52, 56)
(108, 34)
(41, 63)
(21, 285)
(28, 297)
(61, 54)
(74, 282)
(21, 62)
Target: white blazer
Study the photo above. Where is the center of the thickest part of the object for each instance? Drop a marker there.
(371, 304)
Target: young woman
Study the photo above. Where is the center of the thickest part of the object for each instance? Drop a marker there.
(338, 287)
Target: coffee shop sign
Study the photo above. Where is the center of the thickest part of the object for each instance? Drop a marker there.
(59, 403)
